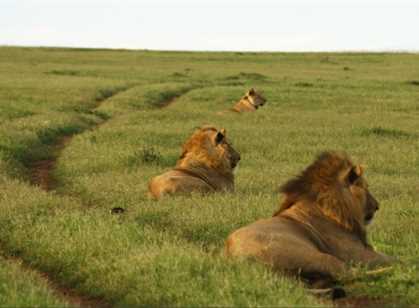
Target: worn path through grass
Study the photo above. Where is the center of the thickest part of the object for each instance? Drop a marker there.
(41, 175)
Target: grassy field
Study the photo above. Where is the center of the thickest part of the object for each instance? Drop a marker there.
(170, 252)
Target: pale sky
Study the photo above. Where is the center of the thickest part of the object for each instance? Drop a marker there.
(245, 25)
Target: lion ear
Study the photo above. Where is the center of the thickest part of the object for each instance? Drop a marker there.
(251, 91)
(354, 173)
(223, 131)
(182, 156)
(219, 137)
(359, 169)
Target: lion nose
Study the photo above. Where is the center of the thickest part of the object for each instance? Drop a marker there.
(376, 205)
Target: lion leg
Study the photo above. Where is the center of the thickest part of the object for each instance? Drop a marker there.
(320, 271)
(307, 262)
(375, 259)
(289, 255)
(292, 257)
(370, 258)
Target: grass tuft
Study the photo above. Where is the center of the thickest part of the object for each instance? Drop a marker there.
(147, 155)
(248, 76)
(386, 133)
(413, 82)
(50, 135)
(328, 59)
(65, 73)
(161, 97)
(303, 84)
(179, 75)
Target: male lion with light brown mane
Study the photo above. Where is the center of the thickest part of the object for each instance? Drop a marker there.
(319, 230)
(206, 165)
(251, 101)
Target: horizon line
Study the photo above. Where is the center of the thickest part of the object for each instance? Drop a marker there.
(411, 51)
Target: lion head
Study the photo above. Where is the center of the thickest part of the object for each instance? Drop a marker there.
(254, 98)
(209, 146)
(333, 186)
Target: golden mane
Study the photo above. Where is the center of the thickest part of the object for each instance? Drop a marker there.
(197, 139)
(205, 165)
(321, 186)
(200, 150)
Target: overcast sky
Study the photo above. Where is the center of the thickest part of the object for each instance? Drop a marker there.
(248, 25)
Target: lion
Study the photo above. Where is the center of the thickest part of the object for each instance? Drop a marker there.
(319, 231)
(206, 165)
(251, 101)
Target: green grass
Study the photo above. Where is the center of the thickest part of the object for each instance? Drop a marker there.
(22, 288)
(171, 252)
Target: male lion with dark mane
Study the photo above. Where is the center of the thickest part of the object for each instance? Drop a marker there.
(319, 230)
(206, 165)
(251, 101)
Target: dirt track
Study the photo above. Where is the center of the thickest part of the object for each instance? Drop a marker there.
(41, 175)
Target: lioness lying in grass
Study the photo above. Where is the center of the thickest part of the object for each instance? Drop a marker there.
(251, 101)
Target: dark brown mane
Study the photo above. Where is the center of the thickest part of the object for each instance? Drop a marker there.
(318, 177)
(321, 186)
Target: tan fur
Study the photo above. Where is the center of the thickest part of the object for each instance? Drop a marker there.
(319, 230)
(206, 165)
(251, 101)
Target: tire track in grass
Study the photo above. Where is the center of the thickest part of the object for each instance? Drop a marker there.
(41, 170)
(67, 295)
(171, 99)
(41, 175)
